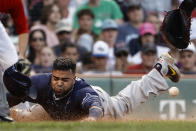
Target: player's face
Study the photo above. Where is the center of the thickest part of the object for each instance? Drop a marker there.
(62, 81)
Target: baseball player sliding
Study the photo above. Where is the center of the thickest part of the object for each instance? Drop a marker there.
(63, 96)
(8, 54)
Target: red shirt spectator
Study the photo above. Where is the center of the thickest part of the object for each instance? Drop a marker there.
(148, 56)
(16, 10)
(136, 69)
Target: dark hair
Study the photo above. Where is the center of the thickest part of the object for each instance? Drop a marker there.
(68, 44)
(33, 31)
(64, 64)
(46, 12)
(85, 12)
(86, 58)
(131, 8)
(31, 54)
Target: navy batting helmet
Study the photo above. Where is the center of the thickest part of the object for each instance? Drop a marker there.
(16, 83)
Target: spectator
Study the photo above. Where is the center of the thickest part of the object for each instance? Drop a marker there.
(187, 60)
(63, 31)
(70, 51)
(77, 3)
(47, 57)
(67, 12)
(85, 45)
(123, 6)
(86, 63)
(108, 34)
(50, 17)
(85, 21)
(37, 40)
(153, 18)
(102, 9)
(35, 9)
(146, 36)
(129, 30)
(121, 54)
(157, 5)
(100, 55)
(149, 57)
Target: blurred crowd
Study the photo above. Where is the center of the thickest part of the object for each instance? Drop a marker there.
(101, 36)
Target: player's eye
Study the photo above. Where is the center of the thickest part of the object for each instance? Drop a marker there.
(55, 78)
(65, 80)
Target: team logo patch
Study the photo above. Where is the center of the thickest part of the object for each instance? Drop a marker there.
(88, 98)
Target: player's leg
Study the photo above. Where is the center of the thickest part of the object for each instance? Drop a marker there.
(154, 82)
(8, 56)
(4, 108)
(137, 92)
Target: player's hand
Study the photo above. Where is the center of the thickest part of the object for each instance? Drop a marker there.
(23, 66)
(174, 53)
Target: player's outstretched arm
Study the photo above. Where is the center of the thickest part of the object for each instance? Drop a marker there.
(90, 102)
(95, 113)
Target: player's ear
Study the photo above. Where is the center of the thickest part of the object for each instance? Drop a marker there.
(74, 78)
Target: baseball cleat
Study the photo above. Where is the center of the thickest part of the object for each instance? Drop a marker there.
(166, 66)
(6, 119)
